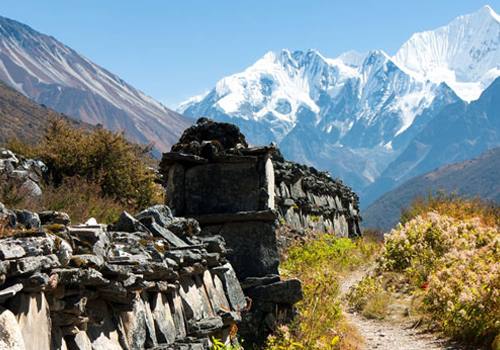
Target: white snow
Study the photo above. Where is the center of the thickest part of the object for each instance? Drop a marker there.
(465, 54)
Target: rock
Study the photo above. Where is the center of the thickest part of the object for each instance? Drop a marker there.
(10, 292)
(37, 282)
(163, 320)
(231, 285)
(32, 245)
(227, 136)
(31, 264)
(161, 214)
(286, 292)
(54, 217)
(11, 337)
(80, 342)
(252, 282)
(90, 239)
(127, 223)
(7, 216)
(28, 219)
(87, 260)
(104, 333)
(134, 325)
(79, 277)
(91, 222)
(64, 252)
(33, 316)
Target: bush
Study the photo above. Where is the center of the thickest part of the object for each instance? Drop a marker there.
(318, 263)
(370, 298)
(464, 293)
(418, 247)
(455, 264)
(120, 168)
(453, 206)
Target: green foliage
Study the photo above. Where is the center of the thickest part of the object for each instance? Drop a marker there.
(449, 252)
(318, 263)
(464, 293)
(370, 298)
(419, 246)
(119, 167)
(219, 345)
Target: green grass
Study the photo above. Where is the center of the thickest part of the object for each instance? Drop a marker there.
(320, 263)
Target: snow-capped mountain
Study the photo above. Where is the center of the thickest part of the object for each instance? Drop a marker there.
(355, 114)
(51, 73)
(464, 54)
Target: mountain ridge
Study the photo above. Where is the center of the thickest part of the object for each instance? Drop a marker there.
(469, 178)
(49, 72)
(352, 115)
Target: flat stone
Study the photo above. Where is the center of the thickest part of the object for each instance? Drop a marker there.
(11, 337)
(252, 282)
(232, 286)
(10, 292)
(33, 316)
(134, 325)
(54, 217)
(163, 319)
(127, 223)
(242, 216)
(32, 264)
(33, 245)
(79, 277)
(81, 341)
(285, 292)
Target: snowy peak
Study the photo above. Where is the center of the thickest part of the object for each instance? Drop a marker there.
(465, 54)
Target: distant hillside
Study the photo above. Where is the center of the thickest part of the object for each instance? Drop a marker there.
(460, 131)
(52, 73)
(21, 117)
(476, 177)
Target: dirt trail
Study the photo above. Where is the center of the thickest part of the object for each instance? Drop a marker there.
(383, 335)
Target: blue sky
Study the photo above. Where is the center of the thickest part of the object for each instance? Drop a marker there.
(175, 49)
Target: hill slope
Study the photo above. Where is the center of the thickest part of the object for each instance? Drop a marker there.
(470, 178)
(22, 118)
(51, 73)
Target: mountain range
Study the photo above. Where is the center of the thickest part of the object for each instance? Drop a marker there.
(53, 74)
(476, 177)
(372, 119)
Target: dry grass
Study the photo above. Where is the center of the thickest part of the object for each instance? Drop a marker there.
(320, 264)
(77, 197)
(454, 206)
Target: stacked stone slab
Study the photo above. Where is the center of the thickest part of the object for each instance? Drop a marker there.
(310, 200)
(21, 175)
(146, 282)
(213, 176)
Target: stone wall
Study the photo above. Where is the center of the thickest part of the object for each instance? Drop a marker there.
(310, 200)
(213, 176)
(147, 282)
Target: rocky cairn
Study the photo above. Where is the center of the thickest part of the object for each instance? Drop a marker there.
(243, 193)
(146, 282)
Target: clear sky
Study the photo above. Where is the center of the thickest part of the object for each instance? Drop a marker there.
(174, 49)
